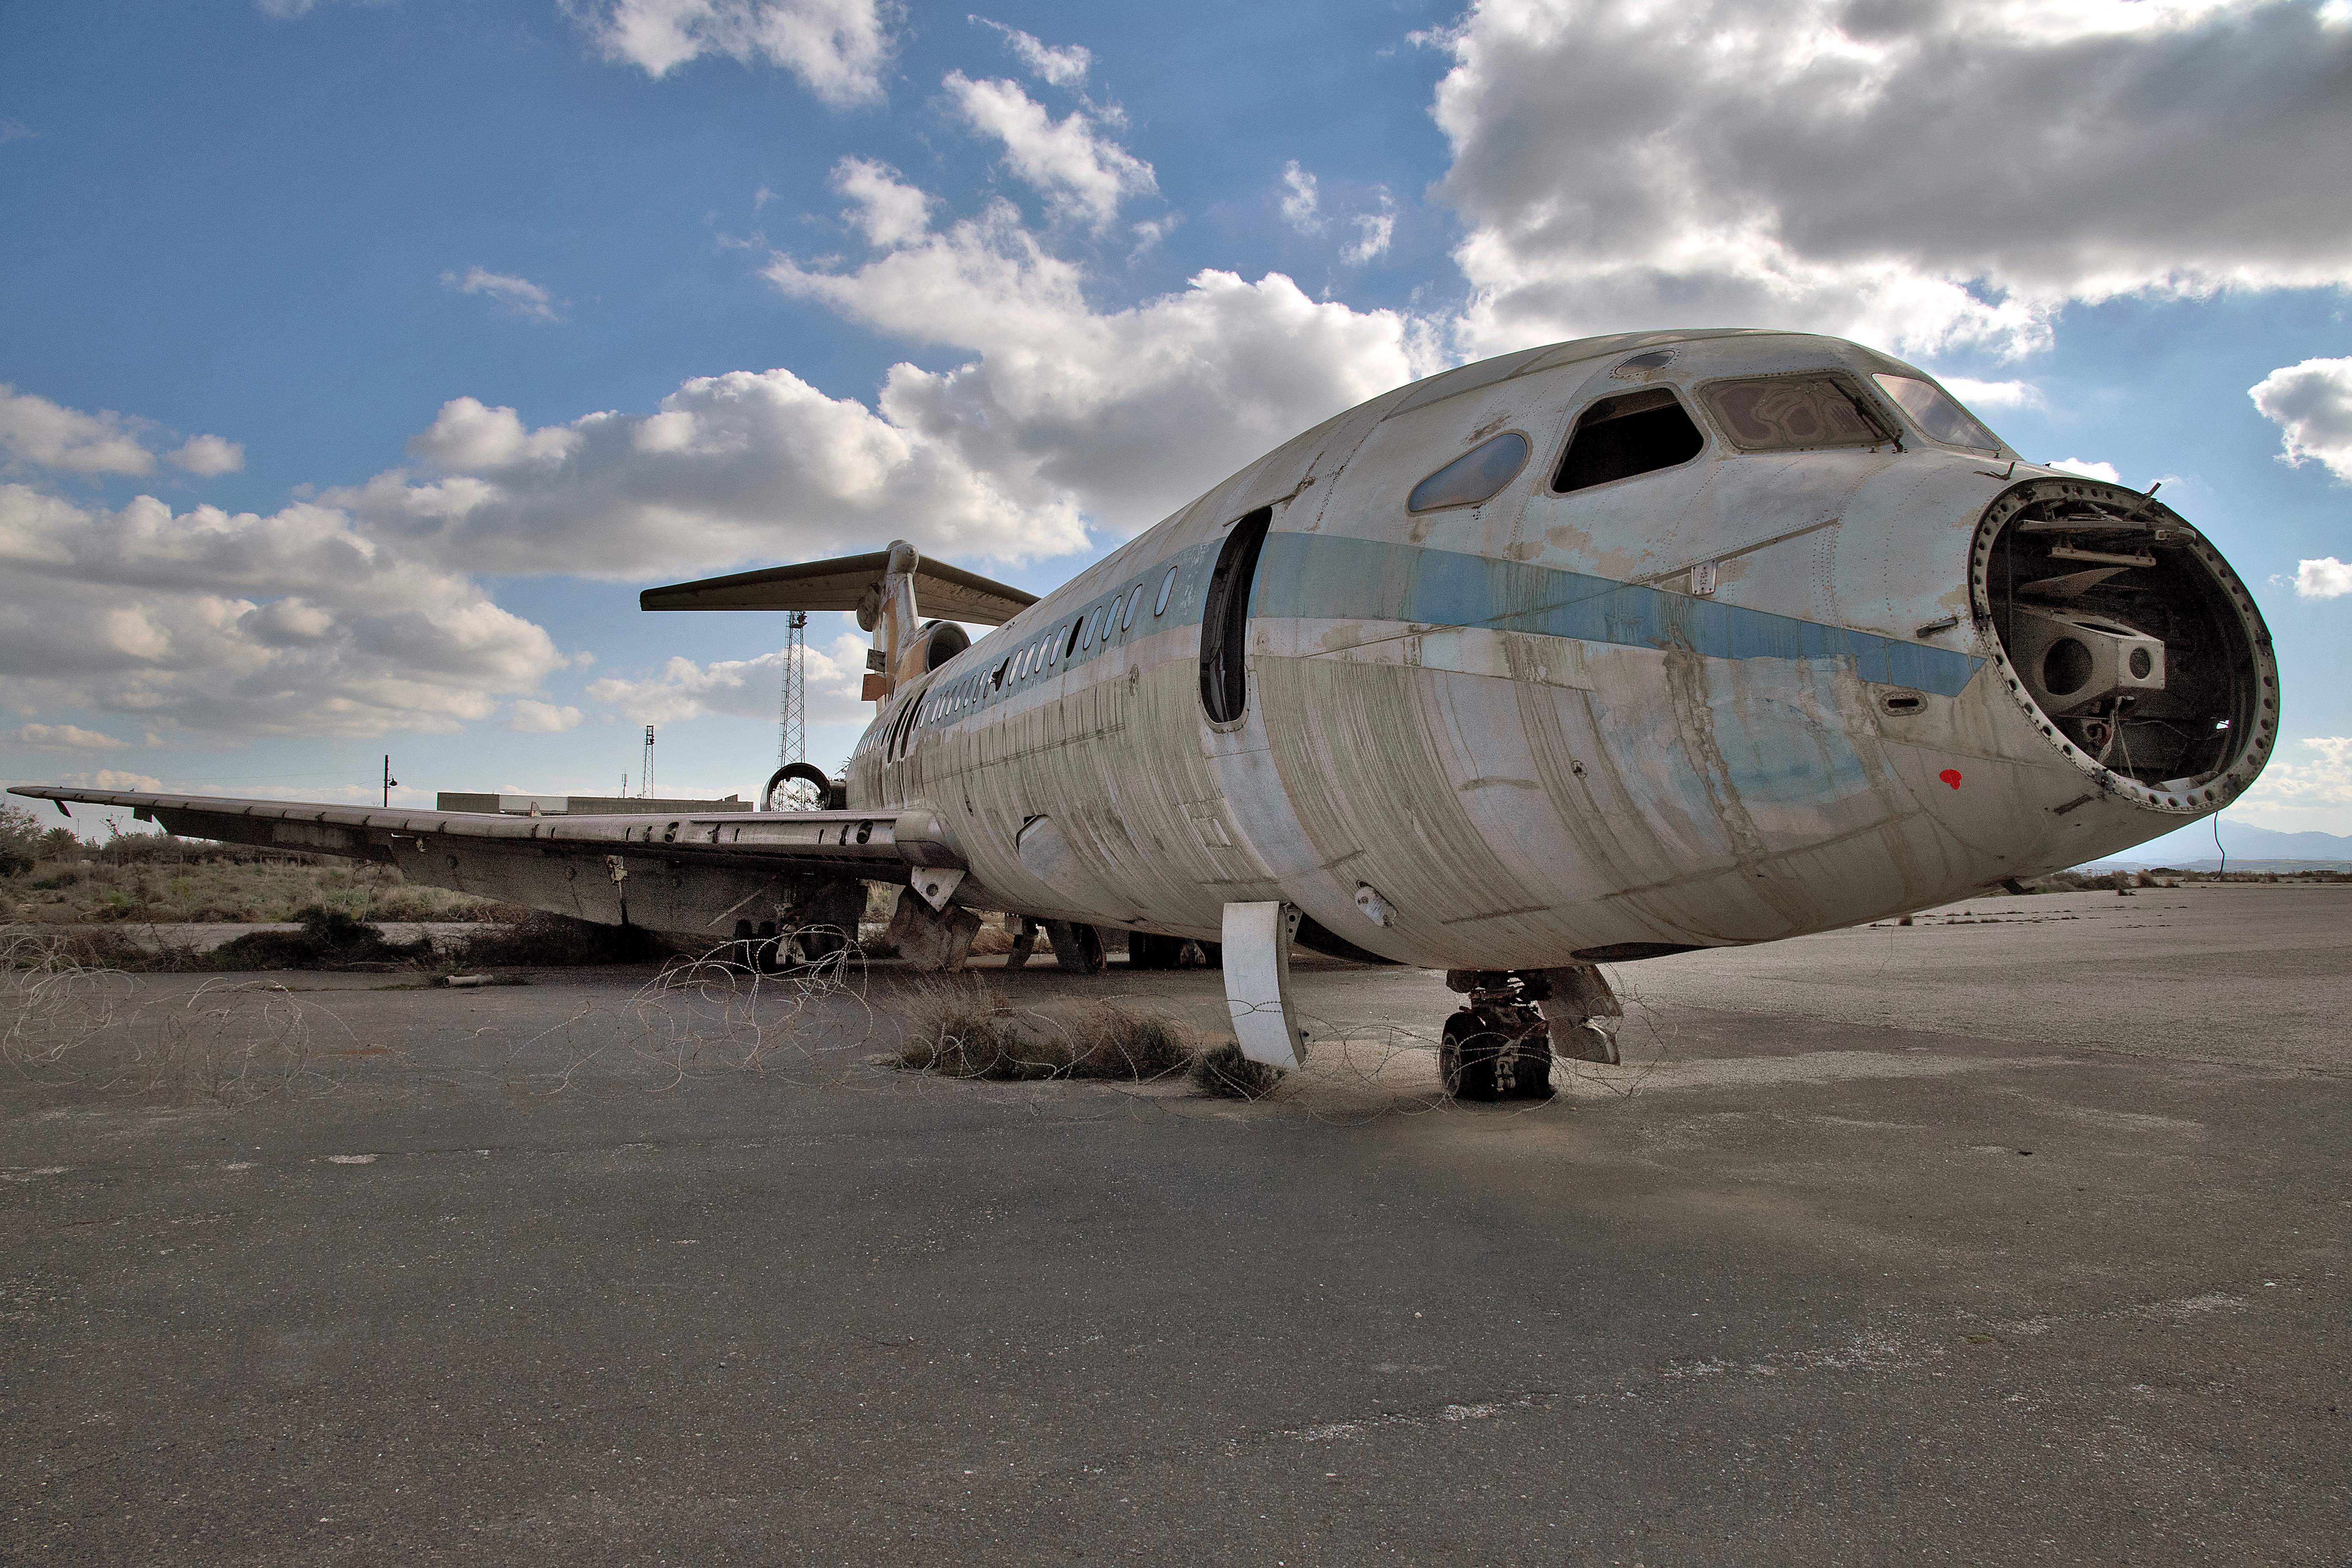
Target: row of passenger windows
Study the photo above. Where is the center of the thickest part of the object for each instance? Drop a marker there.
(1642, 432)
(1036, 657)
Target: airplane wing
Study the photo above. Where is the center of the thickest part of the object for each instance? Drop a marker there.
(947, 593)
(662, 871)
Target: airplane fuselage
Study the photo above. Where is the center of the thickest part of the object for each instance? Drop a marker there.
(1755, 689)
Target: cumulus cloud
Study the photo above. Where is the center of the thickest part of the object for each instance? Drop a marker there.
(520, 295)
(1124, 414)
(888, 212)
(2326, 578)
(752, 465)
(1082, 173)
(1299, 199)
(35, 430)
(51, 436)
(532, 718)
(836, 47)
(1982, 394)
(112, 779)
(2325, 781)
(742, 688)
(293, 623)
(66, 738)
(1373, 232)
(1910, 171)
(207, 457)
(2312, 403)
(1064, 66)
(2087, 469)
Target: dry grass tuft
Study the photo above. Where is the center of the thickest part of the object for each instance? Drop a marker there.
(1223, 1071)
(967, 1028)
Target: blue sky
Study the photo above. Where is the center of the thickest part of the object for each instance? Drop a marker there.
(469, 318)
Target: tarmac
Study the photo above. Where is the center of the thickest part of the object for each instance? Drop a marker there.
(2017, 1235)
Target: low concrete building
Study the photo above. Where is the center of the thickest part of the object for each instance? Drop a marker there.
(578, 805)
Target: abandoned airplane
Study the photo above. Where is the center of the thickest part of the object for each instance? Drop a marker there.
(1582, 655)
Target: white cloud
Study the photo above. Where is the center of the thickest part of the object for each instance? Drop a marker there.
(285, 10)
(2312, 403)
(34, 430)
(753, 465)
(1124, 413)
(112, 779)
(742, 687)
(51, 436)
(1064, 66)
(1299, 200)
(291, 624)
(2088, 470)
(1983, 394)
(540, 718)
(836, 47)
(2287, 786)
(521, 295)
(15, 130)
(888, 212)
(66, 738)
(1914, 173)
(1081, 173)
(2326, 578)
(208, 457)
(1373, 232)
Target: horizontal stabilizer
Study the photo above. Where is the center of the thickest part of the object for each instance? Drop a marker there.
(941, 592)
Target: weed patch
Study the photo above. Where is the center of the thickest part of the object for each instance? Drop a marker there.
(967, 1028)
(1226, 1073)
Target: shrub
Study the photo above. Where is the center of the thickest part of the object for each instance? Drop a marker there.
(537, 937)
(968, 1029)
(1224, 1071)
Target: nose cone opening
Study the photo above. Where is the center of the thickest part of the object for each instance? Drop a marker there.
(2129, 641)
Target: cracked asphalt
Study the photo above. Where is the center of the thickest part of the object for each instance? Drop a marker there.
(2016, 1236)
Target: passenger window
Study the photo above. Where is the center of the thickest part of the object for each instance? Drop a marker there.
(1087, 632)
(1933, 410)
(1634, 433)
(1790, 413)
(1071, 646)
(1474, 477)
(1127, 614)
(1159, 606)
(1225, 619)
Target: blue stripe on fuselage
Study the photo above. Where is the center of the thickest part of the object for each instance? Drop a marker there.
(1337, 578)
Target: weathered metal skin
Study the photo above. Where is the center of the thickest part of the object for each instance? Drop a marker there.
(1737, 695)
(1512, 724)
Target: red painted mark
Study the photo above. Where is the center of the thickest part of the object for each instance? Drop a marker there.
(1950, 776)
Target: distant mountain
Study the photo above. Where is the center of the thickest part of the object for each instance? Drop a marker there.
(2244, 840)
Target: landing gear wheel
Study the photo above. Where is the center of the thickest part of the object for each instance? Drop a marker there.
(1503, 1053)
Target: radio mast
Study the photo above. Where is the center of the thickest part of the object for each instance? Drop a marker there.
(645, 775)
(792, 745)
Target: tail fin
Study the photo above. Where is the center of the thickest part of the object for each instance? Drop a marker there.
(884, 587)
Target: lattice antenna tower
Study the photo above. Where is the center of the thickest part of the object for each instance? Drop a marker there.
(792, 744)
(645, 774)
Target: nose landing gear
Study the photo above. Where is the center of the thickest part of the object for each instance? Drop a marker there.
(1499, 1045)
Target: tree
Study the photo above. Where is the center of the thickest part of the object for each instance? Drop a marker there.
(20, 840)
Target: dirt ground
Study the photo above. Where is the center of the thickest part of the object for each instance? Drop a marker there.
(2018, 1233)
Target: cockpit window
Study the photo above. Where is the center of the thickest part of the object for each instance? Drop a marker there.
(1935, 411)
(1785, 412)
(1634, 433)
(1473, 477)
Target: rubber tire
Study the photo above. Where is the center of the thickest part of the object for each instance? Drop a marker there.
(1146, 950)
(1531, 1074)
(1467, 1052)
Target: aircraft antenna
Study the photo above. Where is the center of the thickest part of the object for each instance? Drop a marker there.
(645, 774)
(792, 745)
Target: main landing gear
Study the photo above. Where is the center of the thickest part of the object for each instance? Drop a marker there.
(1499, 1045)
